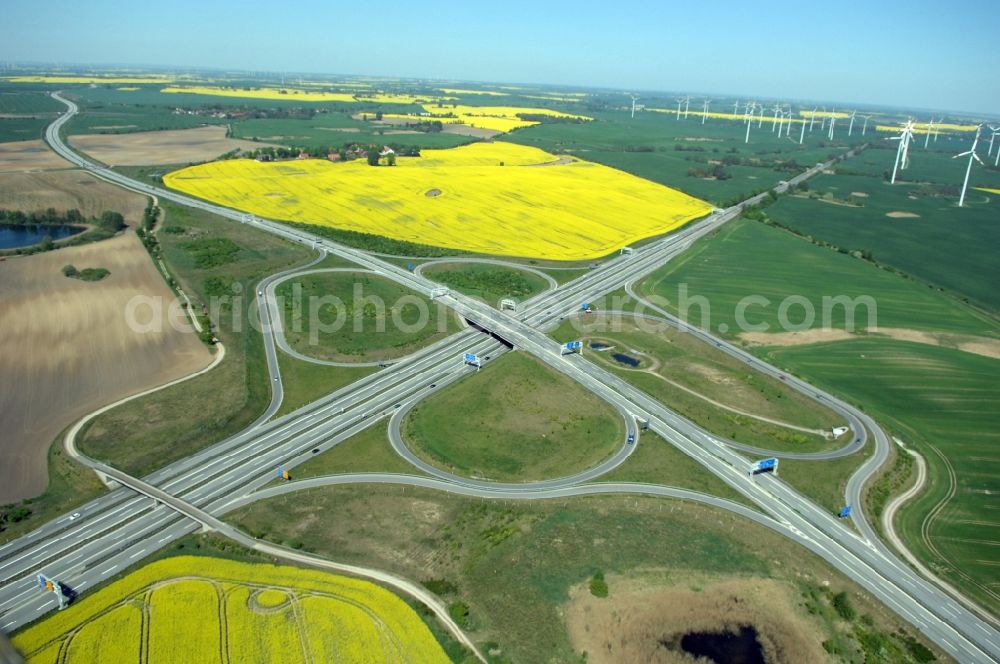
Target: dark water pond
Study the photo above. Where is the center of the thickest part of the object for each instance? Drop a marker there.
(627, 360)
(597, 345)
(13, 237)
(725, 647)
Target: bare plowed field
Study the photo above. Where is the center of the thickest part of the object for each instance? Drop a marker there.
(175, 146)
(29, 156)
(67, 349)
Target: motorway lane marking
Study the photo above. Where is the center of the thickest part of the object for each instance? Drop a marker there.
(110, 569)
(137, 554)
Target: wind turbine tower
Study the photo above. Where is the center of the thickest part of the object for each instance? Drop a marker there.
(802, 136)
(833, 121)
(864, 129)
(774, 123)
(679, 102)
(995, 130)
(927, 137)
(812, 119)
(972, 155)
(704, 111)
(850, 128)
(687, 105)
(634, 98)
(904, 139)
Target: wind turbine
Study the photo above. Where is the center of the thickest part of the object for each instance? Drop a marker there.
(812, 119)
(788, 130)
(749, 121)
(760, 117)
(687, 105)
(850, 128)
(634, 98)
(679, 102)
(802, 136)
(704, 111)
(927, 138)
(995, 130)
(864, 129)
(833, 120)
(774, 123)
(736, 107)
(904, 140)
(972, 155)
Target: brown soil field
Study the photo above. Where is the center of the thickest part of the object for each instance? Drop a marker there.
(29, 156)
(465, 130)
(67, 348)
(985, 346)
(67, 189)
(644, 620)
(174, 146)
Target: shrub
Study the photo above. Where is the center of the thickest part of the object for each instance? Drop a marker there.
(598, 586)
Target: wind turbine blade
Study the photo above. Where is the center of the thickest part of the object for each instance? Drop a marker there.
(964, 154)
(977, 158)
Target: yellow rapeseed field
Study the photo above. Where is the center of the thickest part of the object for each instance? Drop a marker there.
(261, 93)
(988, 190)
(295, 94)
(491, 198)
(496, 118)
(175, 607)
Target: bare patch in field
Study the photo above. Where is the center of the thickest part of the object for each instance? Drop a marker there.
(985, 346)
(466, 130)
(348, 130)
(67, 349)
(643, 620)
(899, 214)
(29, 156)
(174, 146)
(859, 194)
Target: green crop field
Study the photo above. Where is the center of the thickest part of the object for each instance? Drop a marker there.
(943, 244)
(748, 258)
(28, 102)
(705, 385)
(359, 317)
(21, 129)
(942, 402)
(520, 421)
(658, 147)
(489, 283)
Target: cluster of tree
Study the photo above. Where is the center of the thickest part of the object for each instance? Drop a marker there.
(680, 147)
(426, 126)
(545, 118)
(347, 151)
(12, 514)
(718, 171)
(86, 274)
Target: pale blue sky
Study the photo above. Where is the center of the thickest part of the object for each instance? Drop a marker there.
(917, 54)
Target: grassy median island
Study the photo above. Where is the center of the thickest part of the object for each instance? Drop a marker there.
(359, 317)
(704, 384)
(515, 420)
(490, 283)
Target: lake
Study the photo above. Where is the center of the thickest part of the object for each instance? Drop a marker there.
(14, 237)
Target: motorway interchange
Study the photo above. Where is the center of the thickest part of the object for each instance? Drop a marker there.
(125, 525)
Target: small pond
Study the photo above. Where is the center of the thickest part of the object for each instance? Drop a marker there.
(725, 647)
(15, 237)
(627, 360)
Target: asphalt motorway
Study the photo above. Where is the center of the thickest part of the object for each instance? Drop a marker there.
(955, 629)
